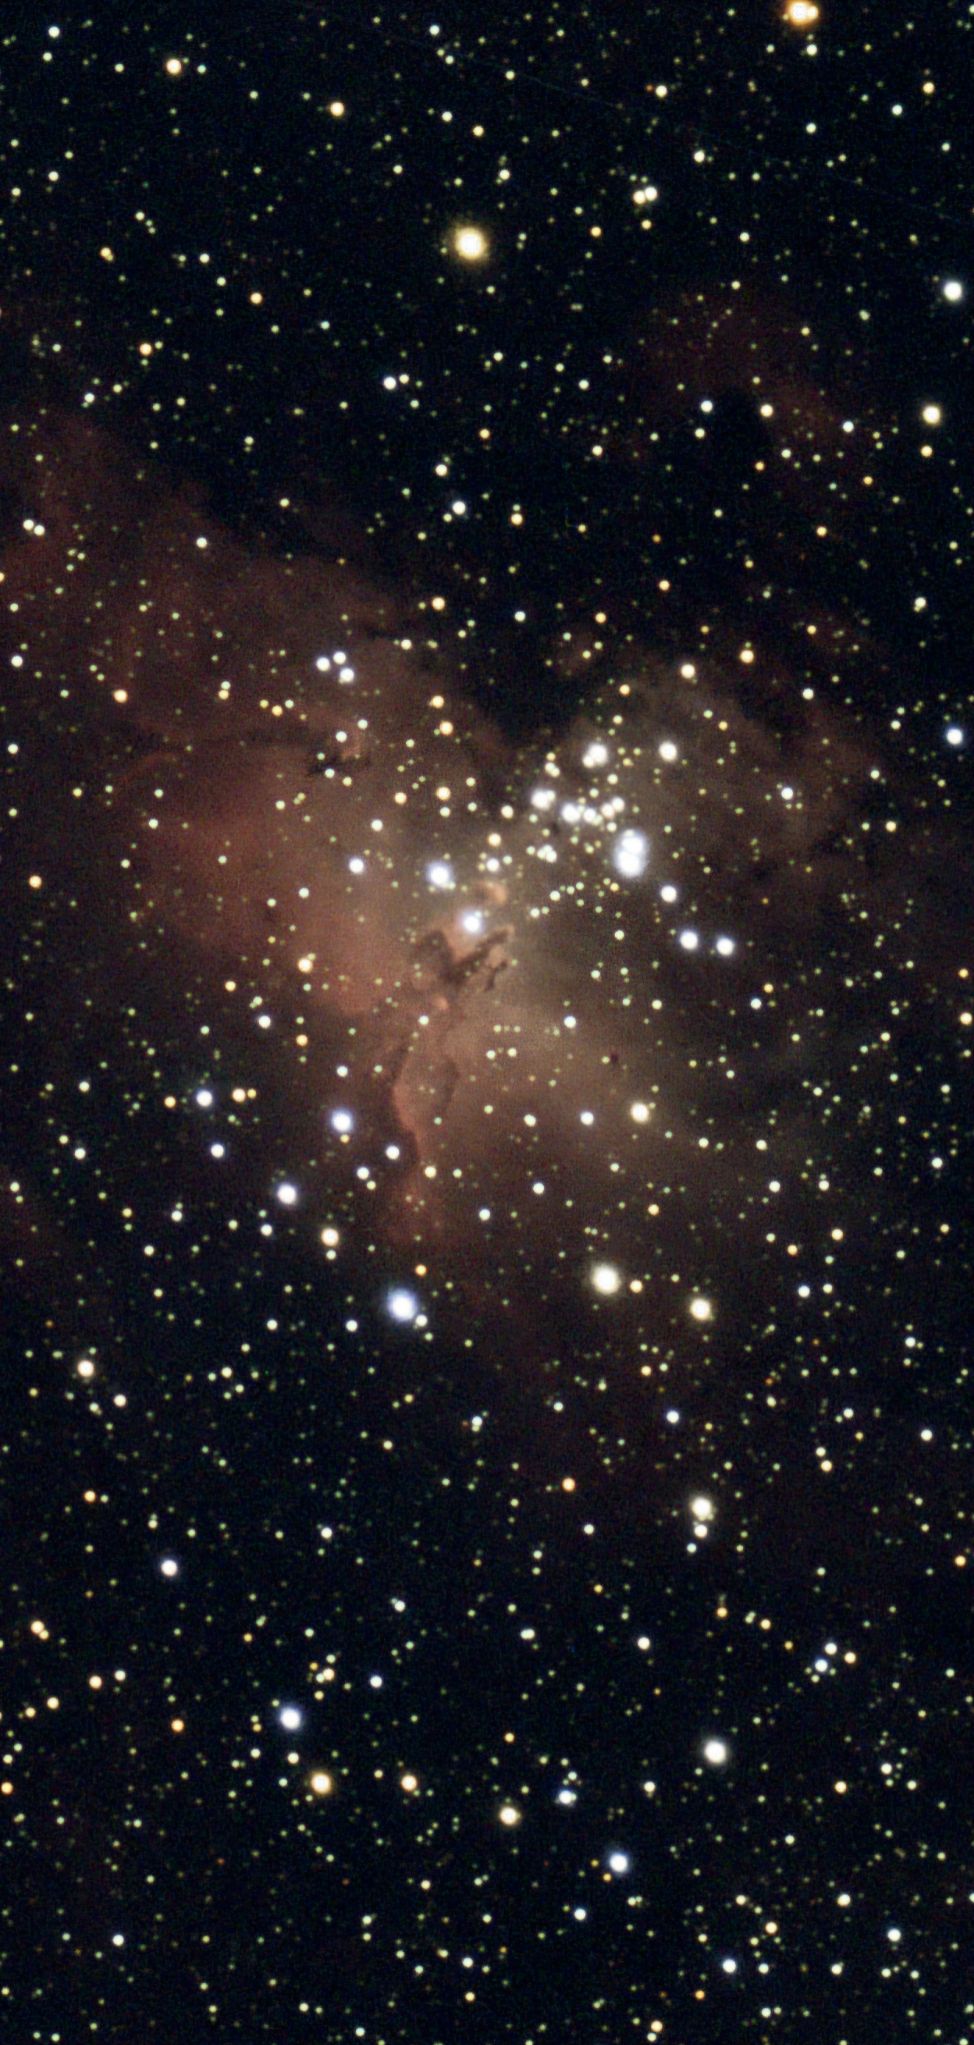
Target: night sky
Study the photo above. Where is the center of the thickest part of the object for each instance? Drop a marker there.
(487, 965)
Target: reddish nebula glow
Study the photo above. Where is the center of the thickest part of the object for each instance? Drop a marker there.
(304, 849)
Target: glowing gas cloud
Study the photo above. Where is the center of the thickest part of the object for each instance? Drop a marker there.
(528, 1032)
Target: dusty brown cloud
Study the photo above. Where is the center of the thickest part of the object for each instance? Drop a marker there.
(558, 1046)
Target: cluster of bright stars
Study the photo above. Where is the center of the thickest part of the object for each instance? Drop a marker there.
(629, 846)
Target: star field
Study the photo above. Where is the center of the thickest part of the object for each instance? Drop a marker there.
(485, 548)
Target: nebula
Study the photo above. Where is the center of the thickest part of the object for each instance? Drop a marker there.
(535, 1028)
